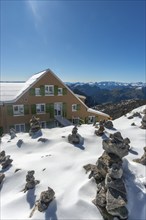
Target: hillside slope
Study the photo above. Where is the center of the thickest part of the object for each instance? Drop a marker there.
(59, 165)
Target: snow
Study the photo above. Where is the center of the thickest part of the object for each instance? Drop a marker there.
(10, 91)
(97, 112)
(59, 165)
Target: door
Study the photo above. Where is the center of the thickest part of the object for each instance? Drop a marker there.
(58, 109)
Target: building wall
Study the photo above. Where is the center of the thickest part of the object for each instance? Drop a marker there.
(28, 99)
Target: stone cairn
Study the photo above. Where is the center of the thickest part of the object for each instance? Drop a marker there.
(142, 160)
(13, 133)
(30, 181)
(34, 126)
(45, 199)
(74, 138)
(5, 161)
(101, 129)
(111, 196)
(102, 125)
(143, 122)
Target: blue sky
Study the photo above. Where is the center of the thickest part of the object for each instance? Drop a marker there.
(78, 40)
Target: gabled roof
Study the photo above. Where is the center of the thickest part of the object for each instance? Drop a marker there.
(11, 93)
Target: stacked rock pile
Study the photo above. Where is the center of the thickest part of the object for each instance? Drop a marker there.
(74, 138)
(111, 198)
(35, 128)
(5, 161)
(30, 180)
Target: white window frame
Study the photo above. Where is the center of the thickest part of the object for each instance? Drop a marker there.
(60, 91)
(74, 107)
(91, 119)
(37, 91)
(18, 110)
(19, 126)
(39, 110)
(48, 89)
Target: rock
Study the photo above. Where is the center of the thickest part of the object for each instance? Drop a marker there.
(44, 140)
(2, 176)
(133, 124)
(115, 171)
(100, 199)
(45, 198)
(100, 131)
(116, 145)
(136, 114)
(106, 161)
(142, 160)
(74, 138)
(30, 180)
(20, 142)
(108, 124)
(7, 162)
(13, 133)
(2, 156)
(35, 128)
(116, 198)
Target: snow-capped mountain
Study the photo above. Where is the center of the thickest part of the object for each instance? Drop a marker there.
(108, 84)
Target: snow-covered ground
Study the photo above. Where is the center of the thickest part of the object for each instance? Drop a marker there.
(59, 165)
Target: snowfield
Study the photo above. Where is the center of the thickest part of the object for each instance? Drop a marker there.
(59, 165)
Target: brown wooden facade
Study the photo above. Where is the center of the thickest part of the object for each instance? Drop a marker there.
(46, 98)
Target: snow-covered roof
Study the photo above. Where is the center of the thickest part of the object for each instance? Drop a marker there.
(97, 112)
(81, 96)
(11, 91)
(8, 91)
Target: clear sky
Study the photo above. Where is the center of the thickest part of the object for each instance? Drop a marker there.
(78, 40)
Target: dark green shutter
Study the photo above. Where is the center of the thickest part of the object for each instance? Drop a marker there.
(33, 109)
(55, 90)
(47, 108)
(50, 109)
(78, 106)
(42, 90)
(26, 109)
(10, 110)
(64, 91)
(32, 91)
(27, 127)
(64, 112)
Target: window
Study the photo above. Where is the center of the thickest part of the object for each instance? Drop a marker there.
(60, 91)
(37, 92)
(40, 108)
(76, 120)
(49, 89)
(74, 107)
(18, 110)
(20, 127)
(91, 119)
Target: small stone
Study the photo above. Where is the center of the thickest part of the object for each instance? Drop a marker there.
(45, 198)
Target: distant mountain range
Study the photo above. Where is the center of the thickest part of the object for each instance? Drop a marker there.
(107, 84)
(109, 91)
